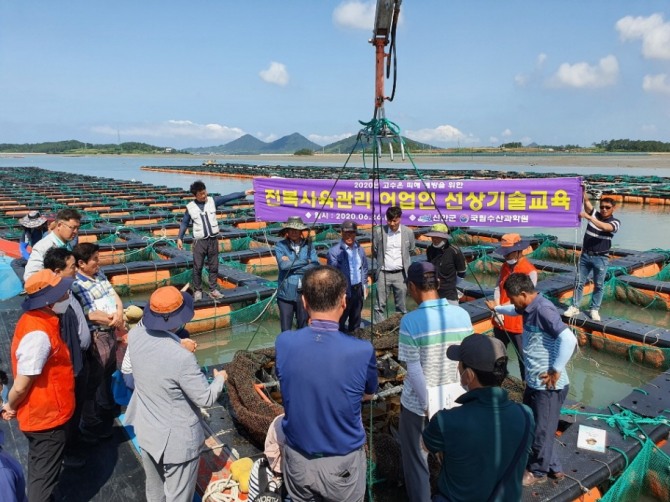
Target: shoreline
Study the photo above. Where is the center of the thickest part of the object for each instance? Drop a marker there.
(605, 161)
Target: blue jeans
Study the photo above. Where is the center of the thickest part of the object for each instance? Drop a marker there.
(587, 264)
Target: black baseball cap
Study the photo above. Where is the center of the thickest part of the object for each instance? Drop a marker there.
(348, 226)
(479, 352)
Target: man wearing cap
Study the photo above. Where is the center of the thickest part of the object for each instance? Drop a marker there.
(169, 389)
(349, 258)
(487, 431)
(548, 344)
(42, 397)
(392, 247)
(510, 328)
(425, 335)
(295, 255)
(63, 234)
(325, 375)
(104, 311)
(202, 213)
(601, 227)
(448, 260)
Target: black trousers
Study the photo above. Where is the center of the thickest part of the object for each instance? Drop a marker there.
(80, 390)
(351, 317)
(205, 249)
(45, 453)
(288, 310)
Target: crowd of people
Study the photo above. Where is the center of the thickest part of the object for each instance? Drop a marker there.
(64, 352)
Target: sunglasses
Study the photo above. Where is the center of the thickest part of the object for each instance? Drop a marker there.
(606, 207)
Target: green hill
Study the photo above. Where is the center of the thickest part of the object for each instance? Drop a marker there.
(346, 145)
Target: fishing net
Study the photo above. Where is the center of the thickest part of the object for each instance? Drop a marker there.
(549, 250)
(138, 282)
(645, 354)
(646, 478)
(462, 238)
(616, 289)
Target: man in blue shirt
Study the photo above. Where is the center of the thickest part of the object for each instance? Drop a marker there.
(349, 258)
(202, 213)
(325, 375)
(548, 344)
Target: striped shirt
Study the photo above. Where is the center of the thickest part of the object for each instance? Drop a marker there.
(425, 334)
(541, 326)
(597, 240)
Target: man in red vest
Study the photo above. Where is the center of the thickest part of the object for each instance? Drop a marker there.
(42, 396)
(508, 328)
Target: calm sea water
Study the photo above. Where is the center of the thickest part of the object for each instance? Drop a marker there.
(597, 379)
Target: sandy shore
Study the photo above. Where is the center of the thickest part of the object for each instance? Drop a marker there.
(604, 161)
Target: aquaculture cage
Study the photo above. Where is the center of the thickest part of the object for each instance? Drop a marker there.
(647, 478)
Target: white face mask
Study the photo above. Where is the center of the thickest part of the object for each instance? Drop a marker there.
(465, 387)
(440, 244)
(511, 262)
(61, 307)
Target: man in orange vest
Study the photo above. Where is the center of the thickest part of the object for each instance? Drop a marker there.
(42, 397)
(510, 328)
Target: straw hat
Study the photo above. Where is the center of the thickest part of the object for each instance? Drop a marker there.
(33, 220)
(439, 230)
(168, 308)
(510, 243)
(45, 288)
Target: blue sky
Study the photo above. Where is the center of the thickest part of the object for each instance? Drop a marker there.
(205, 72)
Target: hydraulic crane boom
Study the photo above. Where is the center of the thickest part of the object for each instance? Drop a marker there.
(386, 19)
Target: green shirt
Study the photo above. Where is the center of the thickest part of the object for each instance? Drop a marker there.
(479, 440)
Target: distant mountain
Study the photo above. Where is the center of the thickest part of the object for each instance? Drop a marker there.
(249, 145)
(346, 145)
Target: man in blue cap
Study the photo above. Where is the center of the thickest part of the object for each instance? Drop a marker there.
(432, 381)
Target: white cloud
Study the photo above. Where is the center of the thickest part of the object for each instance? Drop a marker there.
(494, 140)
(267, 137)
(649, 128)
(526, 140)
(275, 74)
(653, 31)
(521, 80)
(541, 58)
(327, 140)
(583, 75)
(173, 129)
(441, 134)
(656, 83)
(355, 14)
(506, 133)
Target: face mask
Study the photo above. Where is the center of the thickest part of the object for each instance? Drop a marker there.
(511, 262)
(440, 245)
(60, 307)
(465, 387)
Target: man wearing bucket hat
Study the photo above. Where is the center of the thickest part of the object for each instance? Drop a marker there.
(349, 258)
(34, 225)
(169, 389)
(201, 212)
(63, 235)
(295, 255)
(488, 430)
(42, 396)
(510, 328)
(448, 260)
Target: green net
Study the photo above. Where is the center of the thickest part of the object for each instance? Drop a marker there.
(462, 238)
(149, 281)
(225, 316)
(549, 250)
(623, 292)
(646, 478)
(664, 274)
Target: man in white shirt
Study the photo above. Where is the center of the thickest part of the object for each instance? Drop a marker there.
(392, 247)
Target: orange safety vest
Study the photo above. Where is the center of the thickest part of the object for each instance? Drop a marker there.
(50, 400)
(513, 324)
